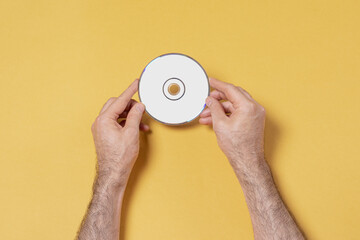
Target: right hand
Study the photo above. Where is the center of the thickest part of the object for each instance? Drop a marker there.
(117, 144)
(238, 122)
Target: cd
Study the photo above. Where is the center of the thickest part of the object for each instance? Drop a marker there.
(173, 87)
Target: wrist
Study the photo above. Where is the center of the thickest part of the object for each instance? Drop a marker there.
(110, 183)
(246, 159)
(114, 172)
(250, 167)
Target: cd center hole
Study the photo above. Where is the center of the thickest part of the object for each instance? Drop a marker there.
(174, 89)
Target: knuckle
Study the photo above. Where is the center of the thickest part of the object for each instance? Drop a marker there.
(262, 110)
(261, 113)
(131, 131)
(220, 124)
(97, 123)
(250, 107)
(230, 86)
(100, 120)
(97, 120)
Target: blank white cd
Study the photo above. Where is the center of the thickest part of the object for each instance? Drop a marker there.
(173, 87)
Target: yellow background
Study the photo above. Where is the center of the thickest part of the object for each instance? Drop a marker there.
(61, 60)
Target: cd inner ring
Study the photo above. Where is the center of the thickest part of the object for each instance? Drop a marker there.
(173, 89)
(170, 85)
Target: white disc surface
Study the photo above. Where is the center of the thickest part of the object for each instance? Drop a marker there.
(191, 88)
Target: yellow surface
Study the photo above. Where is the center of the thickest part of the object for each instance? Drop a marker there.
(61, 60)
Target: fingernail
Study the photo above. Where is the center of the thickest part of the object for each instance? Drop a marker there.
(140, 107)
(208, 101)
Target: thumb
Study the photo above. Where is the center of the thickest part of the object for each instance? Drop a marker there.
(134, 117)
(217, 111)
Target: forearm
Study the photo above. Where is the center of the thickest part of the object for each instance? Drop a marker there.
(102, 220)
(269, 216)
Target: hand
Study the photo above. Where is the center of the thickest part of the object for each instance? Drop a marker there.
(239, 126)
(117, 144)
(238, 122)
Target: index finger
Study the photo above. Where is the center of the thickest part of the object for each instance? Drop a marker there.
(118, 106)
(231, 92)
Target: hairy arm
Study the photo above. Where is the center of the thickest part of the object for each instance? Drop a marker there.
(117, 147)
(269, 216)
(239, 123)
(102, 219)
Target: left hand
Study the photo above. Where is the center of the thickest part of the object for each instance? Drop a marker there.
(117, 144)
